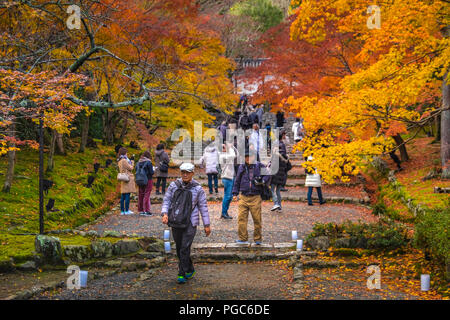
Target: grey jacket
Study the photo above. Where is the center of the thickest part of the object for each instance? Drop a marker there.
(198, 203)
(161, 155)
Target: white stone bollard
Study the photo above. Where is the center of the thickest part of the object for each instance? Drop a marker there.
(294, 235)
(424, 282)
(166, 235)
(83, 278)
(299, 245)
(167, 246)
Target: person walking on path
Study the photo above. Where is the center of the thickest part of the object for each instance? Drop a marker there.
(269, 136)
(260, 112)
(248, 183)
(210, 160)
(126, 187)
(280, 119)
(144, 175)
(279, 178)
(223, 130)
(227, 159)
(313, 181)
(162, 167)
(285, 140)
(298, 130)
(256, 141)
(191, 208)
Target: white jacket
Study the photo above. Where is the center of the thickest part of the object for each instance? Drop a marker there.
(211, 159)
(313, 180)
(294, 130)
(227, 163)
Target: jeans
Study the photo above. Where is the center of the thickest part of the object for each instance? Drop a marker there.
(144, 197)
(276, 195)
(319, 194)
(124, 202)
(158, 181)
(212, 176)
(228, 196)
(183, 240)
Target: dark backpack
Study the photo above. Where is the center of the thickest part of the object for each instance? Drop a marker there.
(180, 209)
(141, 175)
(163, 167)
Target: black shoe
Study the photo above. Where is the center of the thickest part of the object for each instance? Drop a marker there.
(323, 202)
(217, 191)
(226, 217)
(158, 193)
(310, 204)
(284, 189)
(148, 214)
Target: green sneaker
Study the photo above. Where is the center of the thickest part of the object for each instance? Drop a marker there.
(189, 275)
(181, 279)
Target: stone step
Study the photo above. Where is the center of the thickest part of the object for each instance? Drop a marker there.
(330, 199)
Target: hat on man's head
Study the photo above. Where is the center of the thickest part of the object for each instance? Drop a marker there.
(187, 166)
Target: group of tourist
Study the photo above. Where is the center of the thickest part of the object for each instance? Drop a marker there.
(185, 200)
(143, 178)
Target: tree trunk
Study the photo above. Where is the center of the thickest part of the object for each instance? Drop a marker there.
(437, 121)
(11, 163)
(51, 163)
(399, 141)
(60, 143)
(445, 128)
(84, 133)
(124, 128)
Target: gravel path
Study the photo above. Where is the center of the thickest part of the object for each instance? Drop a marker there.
(253, 281)
(277, 226)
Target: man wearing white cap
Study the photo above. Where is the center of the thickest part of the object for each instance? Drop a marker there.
(183, 201)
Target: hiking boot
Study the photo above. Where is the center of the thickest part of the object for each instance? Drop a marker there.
(181, 279)
(189, 275)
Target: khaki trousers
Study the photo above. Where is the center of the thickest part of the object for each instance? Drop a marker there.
(252, 204)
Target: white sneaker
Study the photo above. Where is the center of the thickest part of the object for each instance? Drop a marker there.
(275, 207)
(129, 212)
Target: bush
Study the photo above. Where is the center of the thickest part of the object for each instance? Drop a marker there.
(382, 235)
(431, 234)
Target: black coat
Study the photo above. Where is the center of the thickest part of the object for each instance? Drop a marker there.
(280, 119)
(281, 176)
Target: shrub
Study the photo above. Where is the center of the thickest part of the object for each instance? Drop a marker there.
(383, 235)
(432, 234)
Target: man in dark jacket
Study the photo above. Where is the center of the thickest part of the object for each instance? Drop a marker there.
(246, 183)
(280, 119)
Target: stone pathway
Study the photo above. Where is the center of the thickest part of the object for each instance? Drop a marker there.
(277, 226)
(209, 283)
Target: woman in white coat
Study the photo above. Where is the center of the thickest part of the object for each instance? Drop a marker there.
(313, 181)
(210, 159)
